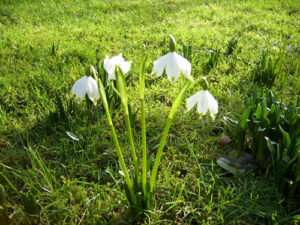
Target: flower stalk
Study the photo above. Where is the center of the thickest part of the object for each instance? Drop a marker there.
(115, 139)
(121, 86)
(162, 143)
(143, 125)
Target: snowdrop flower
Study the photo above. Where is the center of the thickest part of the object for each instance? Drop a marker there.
(205, 102)
(110, 64)
(86, 85)
(174, 64)
(288, 48)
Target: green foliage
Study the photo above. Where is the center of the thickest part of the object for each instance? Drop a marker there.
(187, 51)
(272, 131)
(269, 68)
(231, 46)
(213, 56)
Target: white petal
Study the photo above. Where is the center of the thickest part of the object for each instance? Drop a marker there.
(117, 60)
(86, 85)
(92, 89)
(107, 65)
(202, 107)
(160, 64)
(192, 101)
(125, 66)
(79, 88)
(288, 48)
(184, 65)
(212, 104)
(110, 64)
(172, 68)
(111, 76)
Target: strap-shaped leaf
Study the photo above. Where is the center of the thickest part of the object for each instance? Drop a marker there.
(228, 120)
(244, 119)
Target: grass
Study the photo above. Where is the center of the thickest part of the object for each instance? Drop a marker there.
(45, 46)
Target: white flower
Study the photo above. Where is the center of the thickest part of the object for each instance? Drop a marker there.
(206, 102)
(174, 65)
(288, 48)
(110, 64)
(86, 85)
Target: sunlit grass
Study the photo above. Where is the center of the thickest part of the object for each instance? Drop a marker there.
(45, 46)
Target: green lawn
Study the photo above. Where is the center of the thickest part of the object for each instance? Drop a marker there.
(46, 45)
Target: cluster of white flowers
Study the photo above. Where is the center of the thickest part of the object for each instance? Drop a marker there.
(172, 63)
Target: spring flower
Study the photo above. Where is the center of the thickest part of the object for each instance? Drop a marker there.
(174, 64)
(110, 64)
(86, 85)
(205, 102)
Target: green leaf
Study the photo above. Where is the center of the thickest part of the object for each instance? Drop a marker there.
(179, 98)
(244, 119)
(29, 203)
(142, 77)
(228, 120)
(264, 110)
(286, 139)
(258, 111)
(121, 86)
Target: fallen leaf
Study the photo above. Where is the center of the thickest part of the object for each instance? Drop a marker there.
(224, 140)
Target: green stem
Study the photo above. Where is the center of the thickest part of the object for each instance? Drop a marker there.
(144, 146)
(143, 123)
(159, 152)
(121, 86)
(113, 87)
(122, 162)
(130, 138)
(115, 138)
(175, 105)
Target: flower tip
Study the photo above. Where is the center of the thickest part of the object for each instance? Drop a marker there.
(213, 116)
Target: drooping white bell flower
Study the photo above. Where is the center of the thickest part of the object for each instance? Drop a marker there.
(110, 64)
(86, 85)
(289, 48)
(174, 64)
(205, 102)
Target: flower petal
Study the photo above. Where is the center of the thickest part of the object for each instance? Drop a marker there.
(184, 65)
(111, 76)
(110, 64)
(79, 88)
(192, 101)
(172, 68)
(212, 104)
(86, 85)
(160, 64)
(125, 66)
(92, 89)
(202, 106)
